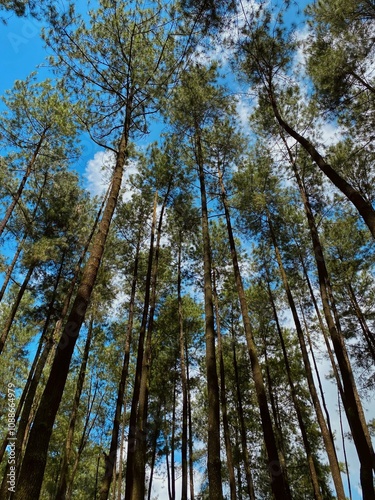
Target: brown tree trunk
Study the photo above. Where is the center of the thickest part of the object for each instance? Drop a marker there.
(26, 175)
(111, 457)
(134, 440)
(184, 437)
(34, 462)
(352, 403)
(63, 480)
(190, 426)
(367, 333)
(139, 468)
(301, 423)
(363, 206)
(279, 484)
(8, 324)
(244, 444)
(213, 438)
(223, 397)
(329, 445)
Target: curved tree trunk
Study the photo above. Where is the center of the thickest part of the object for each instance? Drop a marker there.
(351, 401)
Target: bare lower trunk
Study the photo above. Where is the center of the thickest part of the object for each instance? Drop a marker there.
(63, 480)
(223, 397)
(351, 401)
(134, 439)
(279, 483)
(34, 462)
(213, 439)
(329, 445)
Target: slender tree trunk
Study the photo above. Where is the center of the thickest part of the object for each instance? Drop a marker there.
(301, 423)
(134, 439)
(61, 490)
(154, 445)
(173, 443)
(184, 437)
(363, 206)
(11, 267)
(223, 397)
(329, 445)
(8, 324)
(20, 247)
(34, 462)
(244, 444)
(87, 428)
(121, 457)
(27, 173)
(111, 457)
(367, 333)
(139, 469)
(279, 484)
(352, 403)
(213, 439)
(190, 426)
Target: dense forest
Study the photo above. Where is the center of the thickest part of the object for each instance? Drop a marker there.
(201, 325)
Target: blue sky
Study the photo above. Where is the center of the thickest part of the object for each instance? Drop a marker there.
(21, 52)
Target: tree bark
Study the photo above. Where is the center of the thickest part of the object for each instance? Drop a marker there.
(26, 175)
(184, 437)
(63, 480)
(363, 206)
(213, 439)
(34, 462)
(279, 484)
(329, 445)
(223, 397)
(8, 325)
(111, 457)
(133, 438)
(240, 412)
(351, 401)
(301, 422)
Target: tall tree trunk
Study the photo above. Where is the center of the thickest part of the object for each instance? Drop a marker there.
(329, 445)
(31, 476)
(363, 206)
(184, 437)
(20, 247)
(190, 427)
(62, 486)
(301, 422)
(279, 484)
(240, 412)
(173, 442)
(351, 401)
(87, 428)
(154, 445)
(111, 457)
(223, 397)
(26, 175)
(133, 437)
(213, 438)
(139, 469)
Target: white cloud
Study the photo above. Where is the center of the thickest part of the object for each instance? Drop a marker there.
(98, 174)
